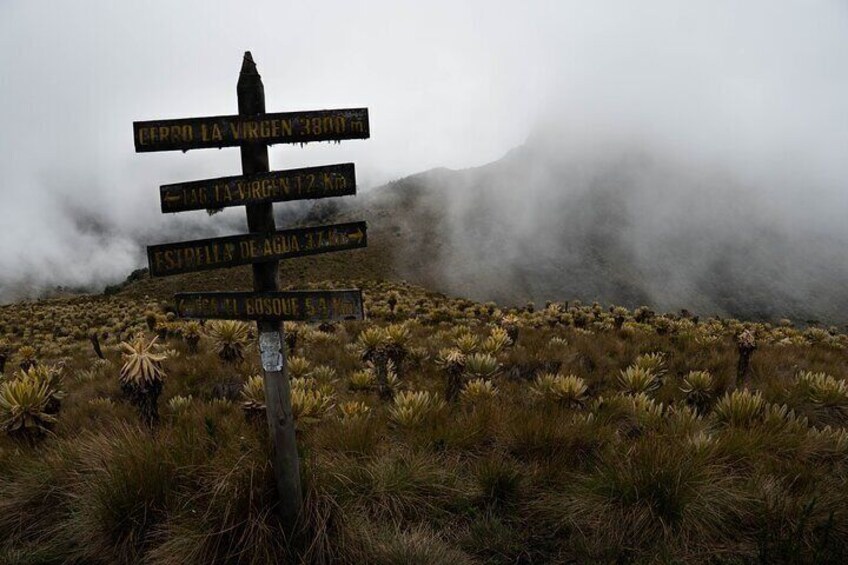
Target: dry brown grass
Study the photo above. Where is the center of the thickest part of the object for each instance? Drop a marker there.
(515, 478)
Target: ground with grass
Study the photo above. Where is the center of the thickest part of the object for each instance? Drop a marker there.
(439, 430)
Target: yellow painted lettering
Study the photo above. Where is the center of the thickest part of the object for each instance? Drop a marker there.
(286, 125)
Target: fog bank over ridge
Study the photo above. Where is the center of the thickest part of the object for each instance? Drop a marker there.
(678, 154)
(627, 223)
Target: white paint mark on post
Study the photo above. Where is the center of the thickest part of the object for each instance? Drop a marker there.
(271, 351)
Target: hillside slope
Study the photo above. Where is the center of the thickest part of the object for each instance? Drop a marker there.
(624, 227)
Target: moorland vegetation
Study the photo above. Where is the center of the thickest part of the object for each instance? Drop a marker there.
(438, 430)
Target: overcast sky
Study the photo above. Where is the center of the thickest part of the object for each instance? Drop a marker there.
(757, 84)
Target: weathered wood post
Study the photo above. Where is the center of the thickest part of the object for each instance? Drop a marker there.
(260, 220)
(253, 129)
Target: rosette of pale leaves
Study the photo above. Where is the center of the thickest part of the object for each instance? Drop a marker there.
(372, 344)
(392, 379)
(646, 411)
(619, 312)
(511, 323)
(323, 374)
(398, 335)
(180, 403)
(478, 390)
(303, 382)
(824, 390)
(309, 406)
(362, 380)
(497, 341)
(828, 440)
(569, 390)
(298, 367)
(418, 355)
(51, 375)
(142, 363)
(467, 343)
(253, 395)
(191, 333)
(229, 338)
(481, 366)
(636, 380)
(653, 362)
(411, 408)
(142, 376)
(27, 355)
(451, 359)
(558, 343)
(740, 408)
(817, 335)
(23, 403)
(698, 388)
(353, 411)
(190, 329)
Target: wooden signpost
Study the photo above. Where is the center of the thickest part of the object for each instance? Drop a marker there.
(257, 189)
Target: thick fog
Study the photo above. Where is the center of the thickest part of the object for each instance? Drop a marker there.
(754, 93)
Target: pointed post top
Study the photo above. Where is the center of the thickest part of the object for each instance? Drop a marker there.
(251, 92)
(248, 67)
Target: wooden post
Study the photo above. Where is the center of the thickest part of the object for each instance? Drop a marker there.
(95, 343)
(260, 219)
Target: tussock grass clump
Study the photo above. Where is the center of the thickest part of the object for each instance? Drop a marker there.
(661, 498)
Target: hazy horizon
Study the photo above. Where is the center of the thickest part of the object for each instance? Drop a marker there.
(755, 92)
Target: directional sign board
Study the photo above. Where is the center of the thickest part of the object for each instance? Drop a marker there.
(260, 188)
(257, 188)
(228, 131)
(294, 305)
(219, 252)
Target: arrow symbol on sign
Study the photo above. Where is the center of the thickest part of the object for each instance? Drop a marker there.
(356, 236)
(172, 197)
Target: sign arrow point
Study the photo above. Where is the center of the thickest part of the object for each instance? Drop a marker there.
(356, 236)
